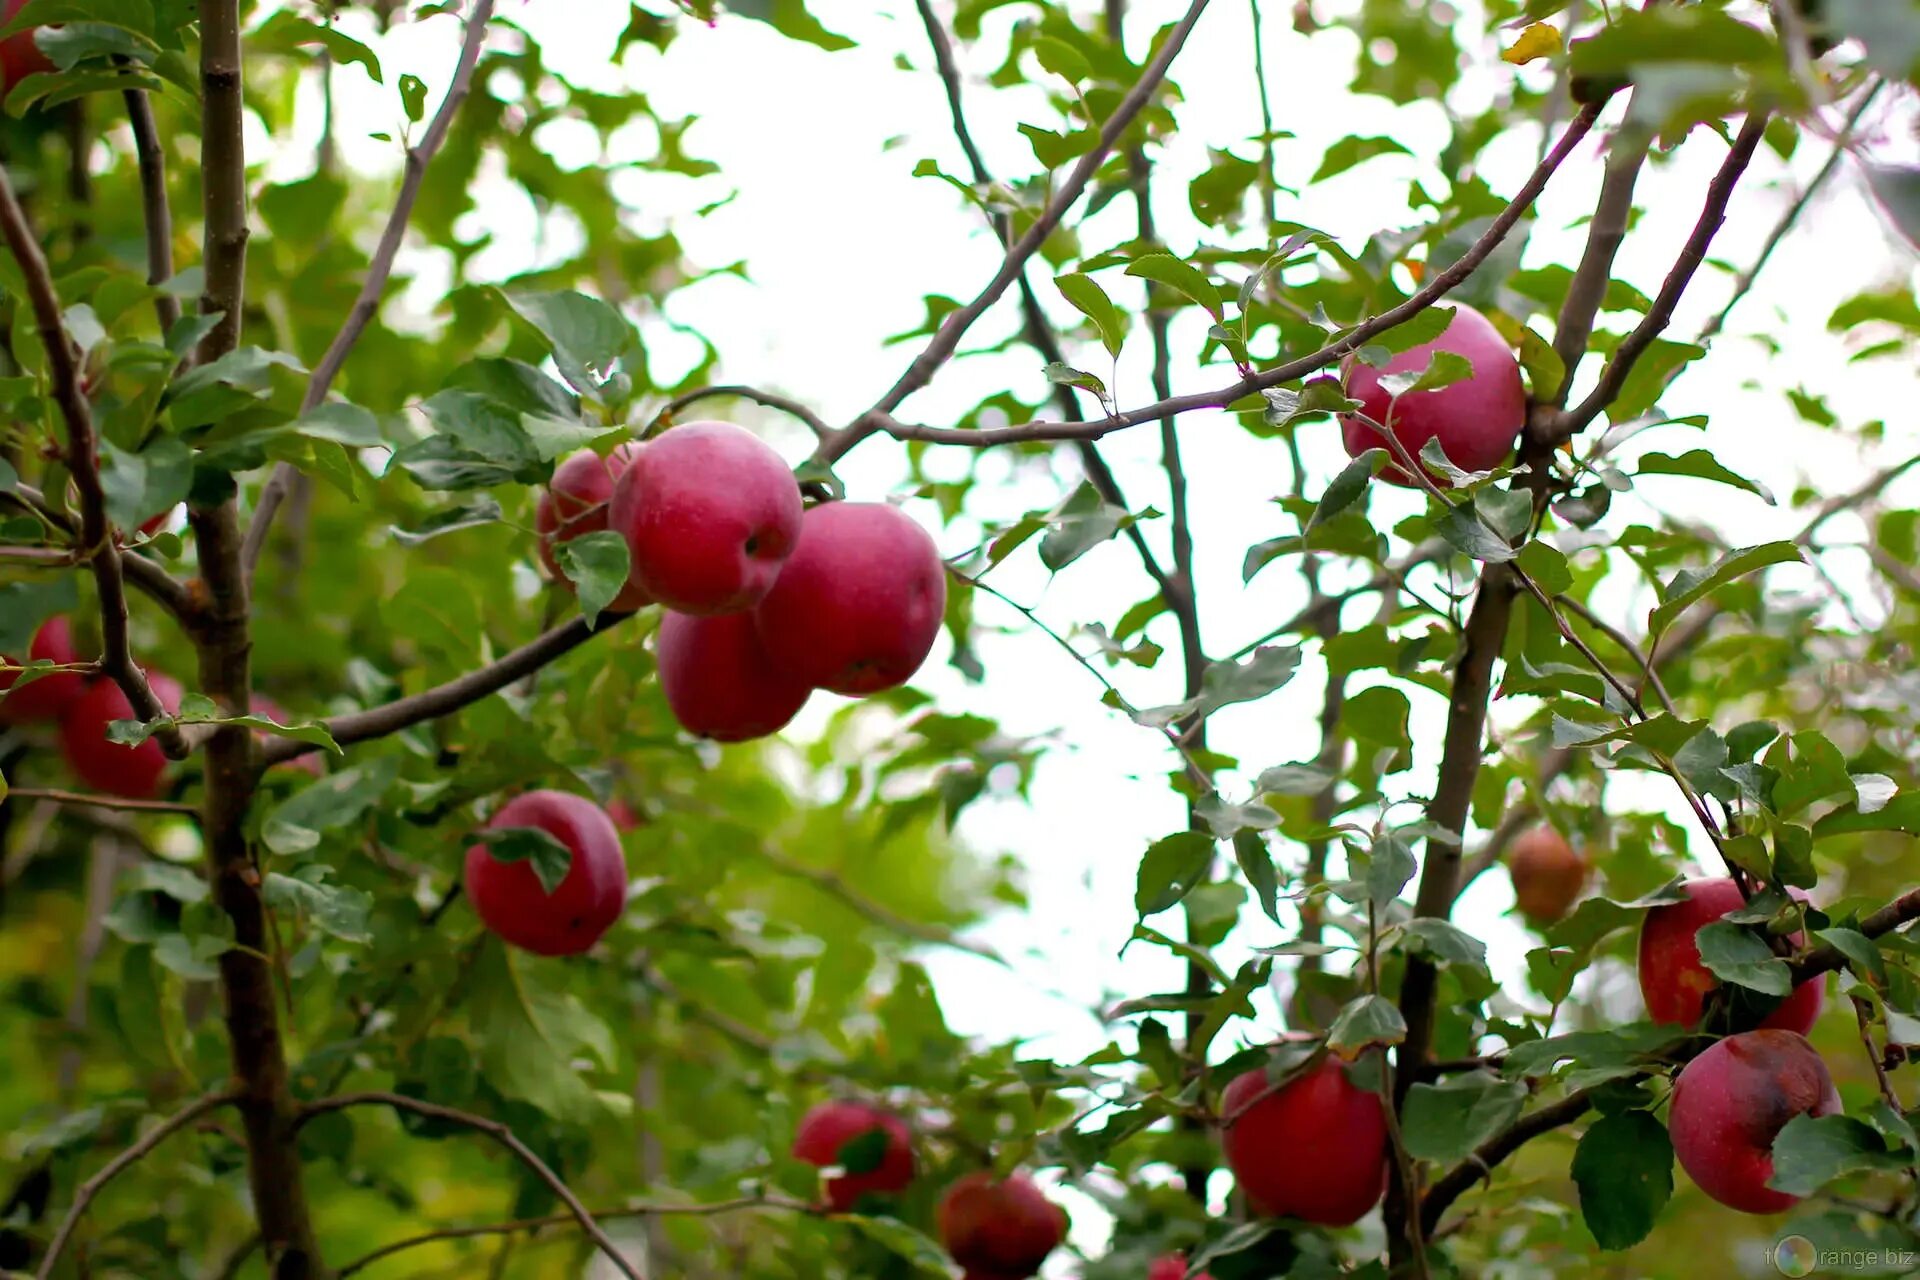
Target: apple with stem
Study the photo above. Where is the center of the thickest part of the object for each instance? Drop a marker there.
(510, 898)
(1476, 420)
(1312, 1145)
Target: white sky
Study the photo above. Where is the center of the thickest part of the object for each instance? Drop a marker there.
(841, 243)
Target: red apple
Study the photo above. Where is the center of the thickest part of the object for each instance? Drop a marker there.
(710, 513)
(999, 1230)
(625, 816)
(1173, 1267)
(1548, 875)
(133, 772)
(510, 899)
(575, 502)
(48, 697)
(874, 1146)
(858, 606)
(719, 682)
(1676, 984)
(1314, 1148)
(1731, 1102)
(20, 57)
(1476, 419)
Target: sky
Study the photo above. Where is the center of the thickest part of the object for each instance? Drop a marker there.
(841, 241)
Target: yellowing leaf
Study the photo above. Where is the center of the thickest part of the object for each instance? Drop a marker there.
(1541, 40)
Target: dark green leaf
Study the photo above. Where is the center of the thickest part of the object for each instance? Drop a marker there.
(1815, 1150)
(1739, 956)
(1446, 1121)
(597, 564)
(1366, 1022)
(1170, 869)
(1623, 1168)
(539, 848)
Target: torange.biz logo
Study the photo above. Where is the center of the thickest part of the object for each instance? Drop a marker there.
(1796, 1256)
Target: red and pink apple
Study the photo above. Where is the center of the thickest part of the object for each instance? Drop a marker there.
(1548, 875)
(719, 681)
(574, 502)
(857, 608)
(999, 1230)
(1476, 420)
(133, 772)
(1314, 1147)
(873, 1148)
(710, 513)
(509, 897)
(48, 697)
(1676, 983)
(1730, 1104)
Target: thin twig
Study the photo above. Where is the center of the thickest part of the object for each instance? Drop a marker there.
(378, 270)
(1441, 284)
(1660, 314)
(785, 404)
(501, 1134)
(103, 801)
(83, 462)
(152, 159)
(1605, 233)
(947, 339)
(1863, 1013)
(712, 1209)
(162, 587)
(444, 700)
(834, 884)
(119, 1165)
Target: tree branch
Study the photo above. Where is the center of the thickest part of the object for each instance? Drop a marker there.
(139, 1151)
(793, 408)
(711, 1209)
(83, 461)
(951, 330)
(501, 1134)
(378, 270)
(146, 576)
(1605, 234)
(1654, 323)
(1458, 1180)
(102, 802)
(1825, 958)
(443, 700)
(152, 158)
(1441, 284)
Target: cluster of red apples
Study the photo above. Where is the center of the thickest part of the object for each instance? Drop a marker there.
(766, 600)
(83, 706)
(1314, 1146)
(994, 1228)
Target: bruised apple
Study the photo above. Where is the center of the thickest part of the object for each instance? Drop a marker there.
(1313, 1148)
(1676, 983)
(575, 502)
(48, 697)
(1476, 420)
(873, 1148)
(719, 682)
(133, 772)
(710, 513)
(1548, 875)
(1731, 1102)
(858, 606)
(999, 1230)
(511, 901)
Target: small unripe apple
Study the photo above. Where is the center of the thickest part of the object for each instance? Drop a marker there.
(20, 57)
(1674, 981)
(1548, 875)
(858, 606)
(1476, 419)
(999, 1230)
(1314, 1148)
(719, 681)
(710, 513)
(1173, 1266)
(133, 772)
(48, 697)
(874, 1147)
(575, 502)
(1731, 1102)
(511, 901)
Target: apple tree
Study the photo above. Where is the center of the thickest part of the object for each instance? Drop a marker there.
(479, 790)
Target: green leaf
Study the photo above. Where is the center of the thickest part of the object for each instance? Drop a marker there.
(283, 32)
(328, 804)
(1350, 151)
(1183, 278)
(1443, 369)
(1446, 942)
(340, 423)
(554, 436)
(589, 338)
(144, 484)
(549, 859)
(1349, 486)
(1901, 815)
(1815, 1150)
(1364, 1023)
(1738, 955)
(1468, 533)
(471, 514)
(1702, 465)
(1170, 869)
(413, 97)
(902, 1241)
(132, 15)
(1691, 585)
(1623, 1168)
(339, 910)
(1256, 864)
(1059, 58)
(532, 1036)
(1389, 868)
(1078, 525)
(791, 19)
(597, 564)
(1320, 396)
(1092, 301)
(1448, 1120)
(1225, 683)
